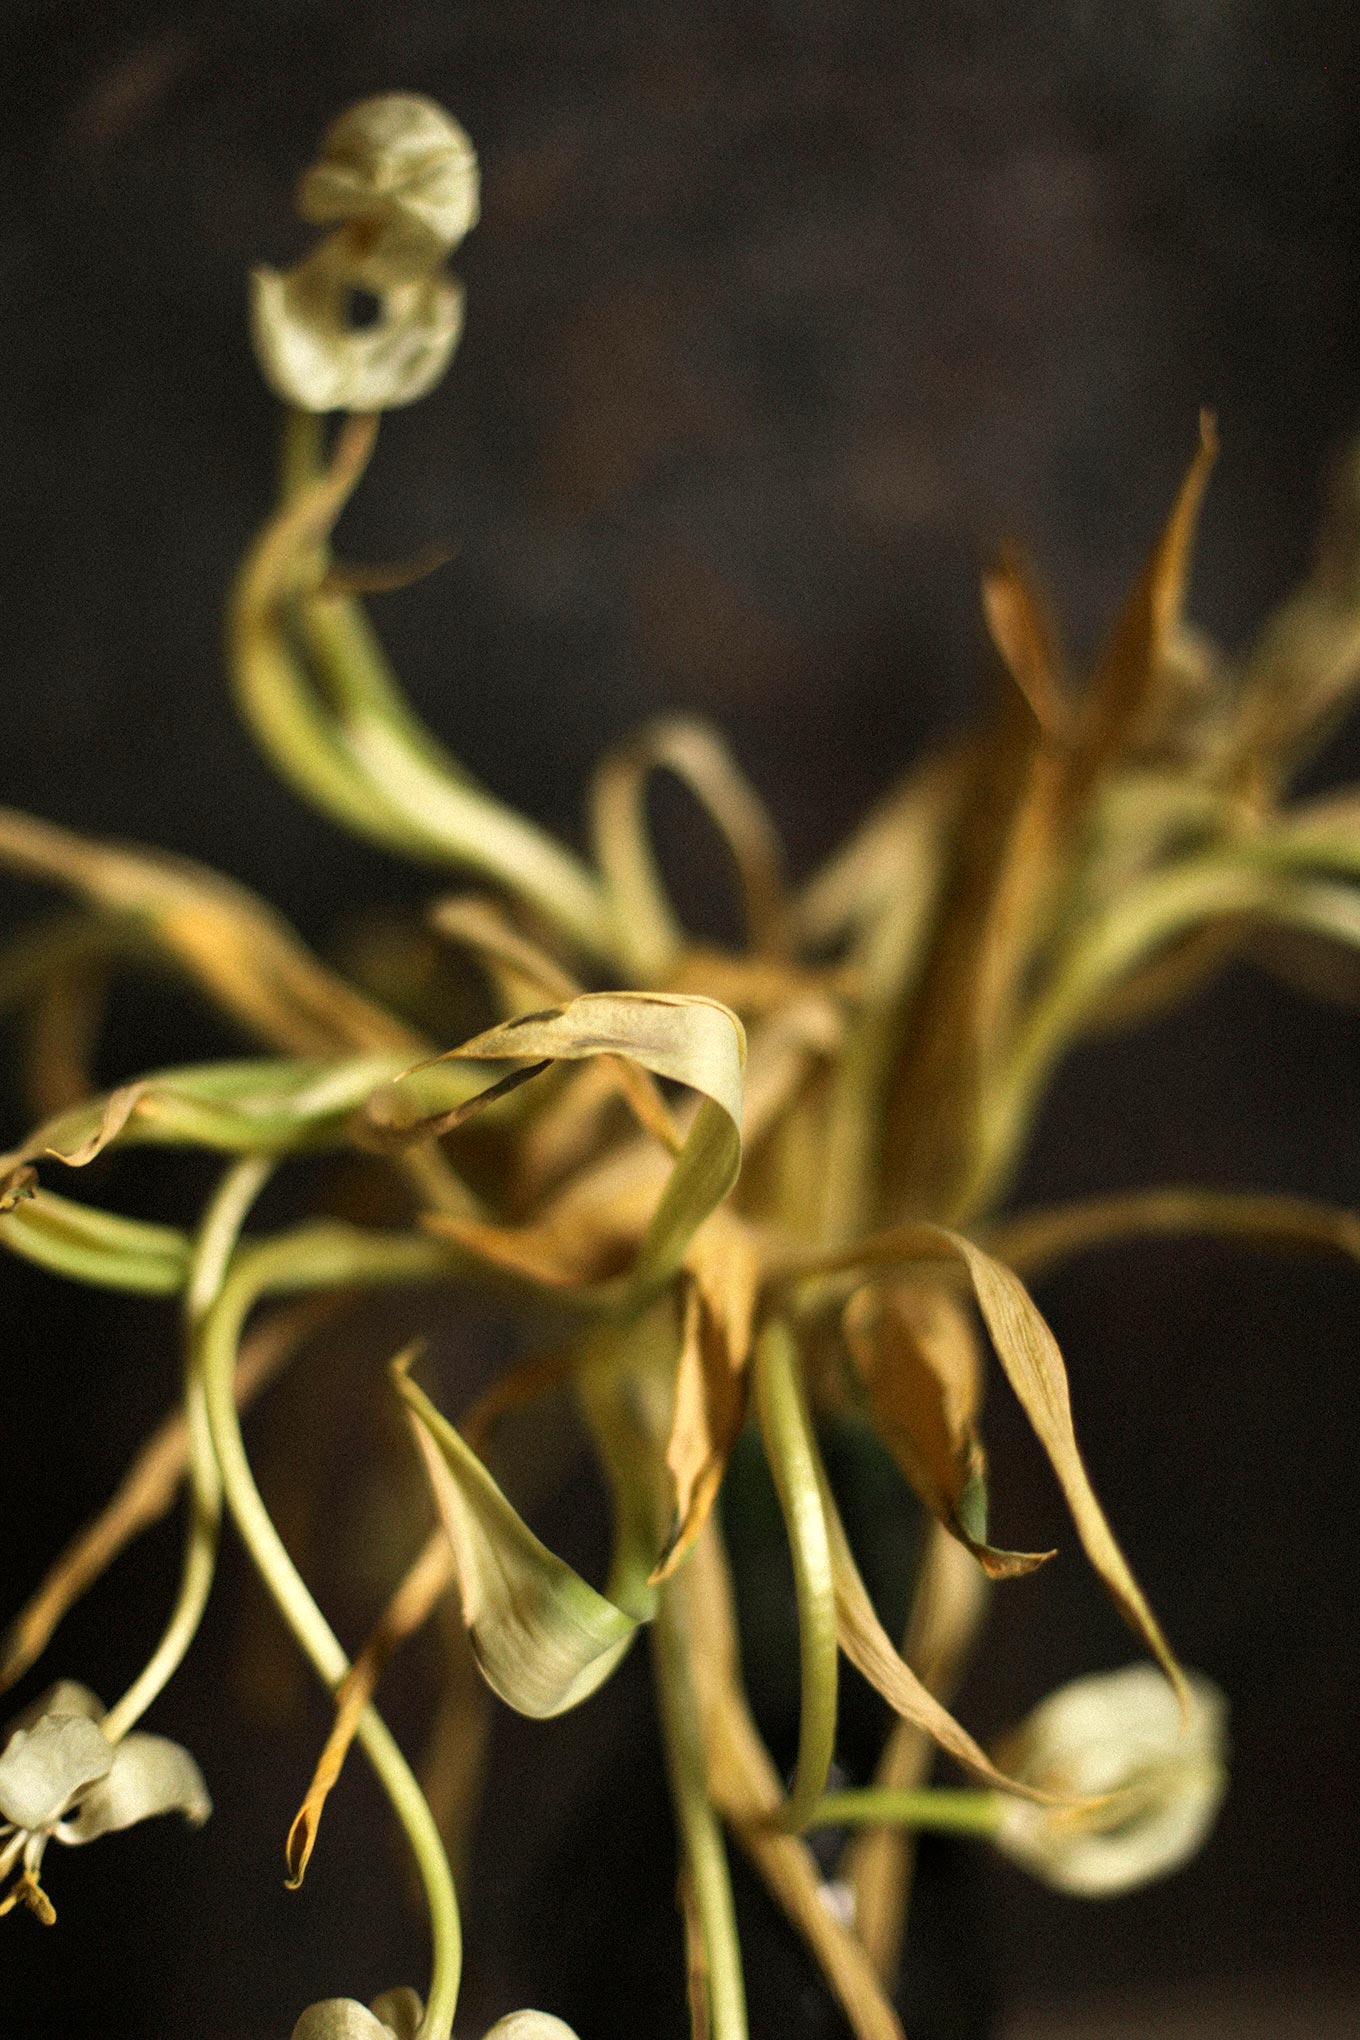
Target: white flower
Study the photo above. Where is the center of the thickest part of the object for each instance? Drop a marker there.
(396, 2015)
(1117, 1737)
(61, 1779)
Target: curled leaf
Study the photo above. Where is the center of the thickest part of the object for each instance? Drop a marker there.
(690, 1041)
(544, 1638)
(339, 730)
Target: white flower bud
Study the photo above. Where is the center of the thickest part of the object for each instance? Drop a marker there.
(1117, 1737)
(397, 180)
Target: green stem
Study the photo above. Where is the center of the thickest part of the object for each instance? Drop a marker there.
(323, 1256)
(217, 1238)
(959, 1813)
(787, 1432)
(701, 1837)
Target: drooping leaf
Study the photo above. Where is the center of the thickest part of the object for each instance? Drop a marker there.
(1035, 1241)
(947, 1608)
(712, 1384)
(240, 1107)
(1029, 1354)
(89, 1245)
(916, 1355)
(871, 1651)
(409, 1608)
(544, 1638)
(224, 938)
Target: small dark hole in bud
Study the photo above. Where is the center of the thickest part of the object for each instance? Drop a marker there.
(364, 309)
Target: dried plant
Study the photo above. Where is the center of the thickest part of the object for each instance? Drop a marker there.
(763, 1188)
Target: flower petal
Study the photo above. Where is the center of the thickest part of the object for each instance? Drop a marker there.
(149, 1775)
(531, 2026)
(400, 2010)
(404, 170)
(45, 1766)
(67, 1696)
(312, 356)
(342, 2019)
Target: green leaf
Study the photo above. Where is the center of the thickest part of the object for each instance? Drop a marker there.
(544, 1638)
(98, 1247)
(262, 1107)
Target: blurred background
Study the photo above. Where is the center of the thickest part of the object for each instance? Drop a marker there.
(779, 318)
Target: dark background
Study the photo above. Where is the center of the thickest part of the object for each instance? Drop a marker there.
(779, 316)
